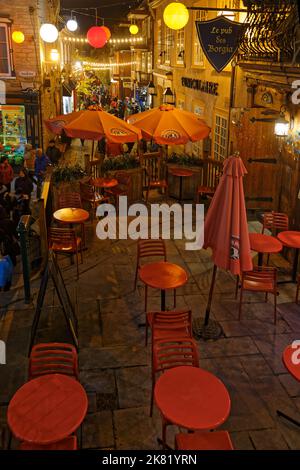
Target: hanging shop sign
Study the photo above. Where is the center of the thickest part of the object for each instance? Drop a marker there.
(200, 85)
(220, 39)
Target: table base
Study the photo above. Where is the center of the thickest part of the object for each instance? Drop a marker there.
(211, 331)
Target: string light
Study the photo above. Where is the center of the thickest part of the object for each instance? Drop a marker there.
(101, 66)
(112, 40)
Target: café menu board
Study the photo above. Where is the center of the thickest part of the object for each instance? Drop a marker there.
(219, 39)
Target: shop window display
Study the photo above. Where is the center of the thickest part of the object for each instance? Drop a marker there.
(12, 133)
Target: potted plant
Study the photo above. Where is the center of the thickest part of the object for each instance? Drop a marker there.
(66, 179)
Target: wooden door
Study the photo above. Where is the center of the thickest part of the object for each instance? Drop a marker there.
(255, 140)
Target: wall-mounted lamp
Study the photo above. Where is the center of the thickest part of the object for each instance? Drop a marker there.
(151, 88)
(282, 126)
(168, 96)
(162, 54)
(181, 54)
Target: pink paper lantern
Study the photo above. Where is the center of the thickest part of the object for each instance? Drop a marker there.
(96, 37)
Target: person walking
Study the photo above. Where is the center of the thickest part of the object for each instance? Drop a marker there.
(53, 152)
(40, 167)
(6, 173)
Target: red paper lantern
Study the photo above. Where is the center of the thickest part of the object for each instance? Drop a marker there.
(107, 32)
(96, 37)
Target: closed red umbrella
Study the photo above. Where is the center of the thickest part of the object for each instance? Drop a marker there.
(226, 228)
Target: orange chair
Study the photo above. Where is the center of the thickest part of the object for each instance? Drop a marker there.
(90, 196)
(275, 222)
(69, 443)
(298, 288)
(169, 324)
(217, 440)
(150, 249)
(69, 200)
(169, 353)
(209, 191)
(123, 188)
(261, 279)
(65, 241)
(53, 358)
(155, 181)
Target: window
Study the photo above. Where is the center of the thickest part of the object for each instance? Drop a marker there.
(197, 147)
(159, 50)
(149, 64)
(5, 66)
(168, 44)
(220, 138)
(198, 54)
(180, 47)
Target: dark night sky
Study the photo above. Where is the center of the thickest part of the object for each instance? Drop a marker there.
(112, 10)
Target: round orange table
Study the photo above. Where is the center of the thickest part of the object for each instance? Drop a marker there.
(164, 276)
(181, 173)
(71, 215)
(192, 398)
(104, 182)
(291, 360)
(291, 239)
(47, 409)
(264, 244)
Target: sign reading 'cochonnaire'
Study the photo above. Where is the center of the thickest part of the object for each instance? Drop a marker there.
(200, 85)
(220, 39)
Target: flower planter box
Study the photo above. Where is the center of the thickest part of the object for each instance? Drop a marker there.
(189, 183)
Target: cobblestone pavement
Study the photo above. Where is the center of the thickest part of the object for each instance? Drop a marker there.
(115, 364)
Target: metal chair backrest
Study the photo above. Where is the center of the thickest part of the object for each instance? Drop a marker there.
(87, 192)
(62, 236)
(275, 222)
(169, 353)
(124, 179)
(260, 275)
(151, 248)
(172, 321)
(53, 358)
(69, 200)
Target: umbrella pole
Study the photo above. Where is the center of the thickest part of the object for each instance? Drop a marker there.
(211, 291)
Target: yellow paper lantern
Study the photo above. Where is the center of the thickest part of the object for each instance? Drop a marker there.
(176, 15)
(18, 37)
(134, 29)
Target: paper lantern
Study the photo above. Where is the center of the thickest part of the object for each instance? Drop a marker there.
(72, 25)
(18, 37)
(176, 15)
(134, 29)
(107, 32)
(48, 32)
(96, 37)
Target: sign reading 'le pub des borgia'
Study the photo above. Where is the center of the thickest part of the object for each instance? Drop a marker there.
(220, 39)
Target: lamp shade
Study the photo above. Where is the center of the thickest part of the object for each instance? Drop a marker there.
(134, 29)
(18, 37)
(96, 37)
(48, 32)
(176, 15)
(107, 32)
(281, 127)
(72, 25)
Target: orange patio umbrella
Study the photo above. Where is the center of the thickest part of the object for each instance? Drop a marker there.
(226, 228)
(96, 124)
(168, 125)
(56, 125)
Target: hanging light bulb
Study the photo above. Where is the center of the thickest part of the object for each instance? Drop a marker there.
(134, 29)
(107, 32)
(96, 37)
(18, 37)
(48, 32)
(176, 15)
(72, 25)
(282, 126)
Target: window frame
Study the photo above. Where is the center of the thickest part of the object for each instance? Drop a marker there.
(199, 15)
(220, 154)
(7, 26)
(180, 46)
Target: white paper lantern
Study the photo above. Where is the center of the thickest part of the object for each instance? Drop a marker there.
(48, 32)
(72, 25)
